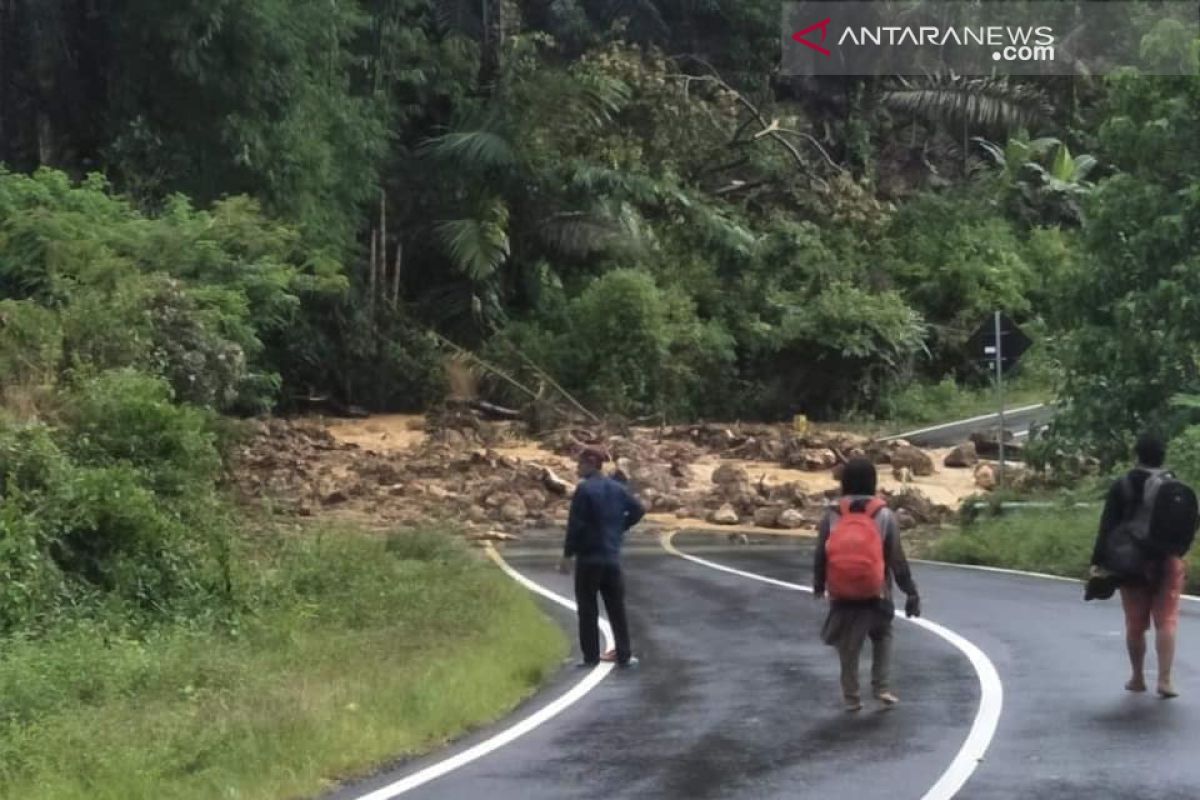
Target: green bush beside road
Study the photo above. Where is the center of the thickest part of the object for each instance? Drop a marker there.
(350, 652)
(1052, 541)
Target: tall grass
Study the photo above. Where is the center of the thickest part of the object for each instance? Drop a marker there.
(1054, 541)
(358, 652)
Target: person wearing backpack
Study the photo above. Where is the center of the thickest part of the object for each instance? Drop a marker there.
(857, 558)
(1147, 526)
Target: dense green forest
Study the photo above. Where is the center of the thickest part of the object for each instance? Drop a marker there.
(217, 207)
(624, 193)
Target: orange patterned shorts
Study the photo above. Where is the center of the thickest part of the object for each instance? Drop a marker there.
(1143, 603)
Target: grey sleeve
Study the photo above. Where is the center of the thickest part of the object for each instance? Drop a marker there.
(819, 555)
(893, 553)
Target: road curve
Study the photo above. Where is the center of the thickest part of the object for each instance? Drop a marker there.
(1018, 420)
(738, 699)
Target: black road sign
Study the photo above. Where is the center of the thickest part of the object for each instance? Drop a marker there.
(1013, 342)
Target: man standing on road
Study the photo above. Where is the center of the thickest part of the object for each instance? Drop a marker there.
(858, 555)
(601, 511)
(1153, 596)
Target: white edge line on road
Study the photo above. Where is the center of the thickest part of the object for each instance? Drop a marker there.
(1020, 572)
(991, 690)
(958, 422)
(510, 734)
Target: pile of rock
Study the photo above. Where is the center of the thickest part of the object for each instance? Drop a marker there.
(734, 500)
(301, 468)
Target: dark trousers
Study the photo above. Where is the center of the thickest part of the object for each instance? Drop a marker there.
(605, 580)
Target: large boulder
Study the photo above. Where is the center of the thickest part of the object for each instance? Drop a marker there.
(812, 459)
(767, 516)
(962, 457)
(728, 474)
(513, 510)
(535, 499)
(790, 519)
(743, 498)
(912, 507)
(725, 515)
(985, 477)
(792, 494)
(916, 460)
(666, 503)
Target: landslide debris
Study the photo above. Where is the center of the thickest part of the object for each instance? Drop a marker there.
(495, 480)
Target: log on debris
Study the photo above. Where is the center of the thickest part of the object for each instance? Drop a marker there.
(491, 411)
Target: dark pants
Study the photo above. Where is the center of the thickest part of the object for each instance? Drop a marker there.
(606, 580)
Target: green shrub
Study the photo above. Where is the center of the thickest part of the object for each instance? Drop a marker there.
(127, 418)
(117, 512)
(189, 295)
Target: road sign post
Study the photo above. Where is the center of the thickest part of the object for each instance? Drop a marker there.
(1000, 395)
(1001, 343)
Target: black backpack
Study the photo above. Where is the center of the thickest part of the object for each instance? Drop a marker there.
(1174, 518)
(1162, 523)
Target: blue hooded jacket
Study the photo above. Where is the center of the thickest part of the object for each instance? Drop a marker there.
(601, 511)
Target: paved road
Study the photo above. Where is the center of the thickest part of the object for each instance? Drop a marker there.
(738, 699)
(1018, 421)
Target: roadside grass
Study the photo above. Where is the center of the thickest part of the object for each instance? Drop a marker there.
(927, 404)
(1053, 541)
(359, 652)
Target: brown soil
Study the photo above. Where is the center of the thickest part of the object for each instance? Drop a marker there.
(393, 471)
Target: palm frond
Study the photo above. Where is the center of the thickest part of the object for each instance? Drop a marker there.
(1084, 165)
(645, 17)
(992, 103)
(462, 310)
(459, 16)
(474, 150)
(479, 246)
(579, 233)
(602, 182)
(994, 151)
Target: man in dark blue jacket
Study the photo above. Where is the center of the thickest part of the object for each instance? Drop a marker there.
(601, 511)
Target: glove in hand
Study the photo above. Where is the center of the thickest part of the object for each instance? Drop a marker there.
(912, 606)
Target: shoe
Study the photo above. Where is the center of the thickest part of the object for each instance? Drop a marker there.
(853, 704)
(587, 664)
(609, 656)
(887, 698)
(631, 663)
(1166, 691)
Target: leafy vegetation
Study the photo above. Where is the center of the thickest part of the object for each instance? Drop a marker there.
(1130, 341)
(266, 703)
(491, 170)
(1054, 541)
(212, 208)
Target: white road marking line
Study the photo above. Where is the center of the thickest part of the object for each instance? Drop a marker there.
(956, 423)
(510, 734)
(991, 690)
(1020, 572)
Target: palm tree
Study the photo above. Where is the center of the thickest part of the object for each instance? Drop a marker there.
(954, 100)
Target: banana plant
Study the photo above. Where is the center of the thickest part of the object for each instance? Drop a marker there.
(1043, 173)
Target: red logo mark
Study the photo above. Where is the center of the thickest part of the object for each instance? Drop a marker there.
(823, 25)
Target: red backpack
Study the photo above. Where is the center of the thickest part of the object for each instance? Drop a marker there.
(854, 563)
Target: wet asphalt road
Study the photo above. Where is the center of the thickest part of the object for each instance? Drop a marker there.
(1018, 422)
(737, 698)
